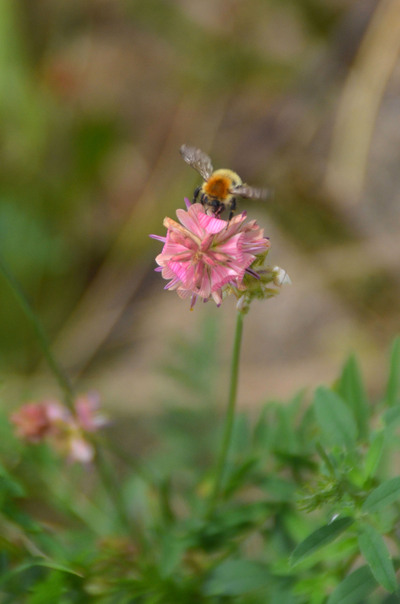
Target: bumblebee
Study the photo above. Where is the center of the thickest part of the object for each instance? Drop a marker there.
(220, 187)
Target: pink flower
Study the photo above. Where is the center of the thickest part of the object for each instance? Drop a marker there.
(204, 254)
(32, 422)
(87, 415)
(70, 441)
(65, 430)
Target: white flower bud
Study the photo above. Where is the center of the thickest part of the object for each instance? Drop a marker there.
(242, 303)
(280, 276)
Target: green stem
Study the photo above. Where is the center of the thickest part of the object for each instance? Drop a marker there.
(230, 415)
(53, 364)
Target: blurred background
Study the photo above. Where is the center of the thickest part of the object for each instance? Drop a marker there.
(95, 99)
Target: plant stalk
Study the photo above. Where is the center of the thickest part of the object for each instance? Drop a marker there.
(230, 416)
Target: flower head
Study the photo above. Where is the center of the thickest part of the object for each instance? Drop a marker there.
(203, 255)
(66, 431)
(87, 415)
(32, 421)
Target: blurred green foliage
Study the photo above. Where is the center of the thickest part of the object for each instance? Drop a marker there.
(308, 512)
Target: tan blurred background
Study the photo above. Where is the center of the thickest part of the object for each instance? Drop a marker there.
(97, 96)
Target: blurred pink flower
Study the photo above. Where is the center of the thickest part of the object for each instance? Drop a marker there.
(69, 440)
(80, 450)
(86, 408)
(65, 431)
(203, 254)
(32, 422)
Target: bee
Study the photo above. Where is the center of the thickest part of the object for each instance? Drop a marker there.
(220, 187)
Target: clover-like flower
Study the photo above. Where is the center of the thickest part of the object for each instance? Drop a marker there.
(204, 255)
(64, 430)
(32, 422)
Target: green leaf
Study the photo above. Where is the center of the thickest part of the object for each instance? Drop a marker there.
(36, 562)
(237, 577)
(322, 536)
(354, 588)
(334, 418)
(171, 550)
(262, 431)
(239, 476)
(391, 416)
(352, 391)
(375, 552)
(387, 492)
(374, 454)
(241, 435)
(285, 437)
(393, 384)
(59, 567)
(49, 590)
(9, 487)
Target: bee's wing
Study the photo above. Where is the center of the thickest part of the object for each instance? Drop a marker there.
(198, 160)
(251, 192)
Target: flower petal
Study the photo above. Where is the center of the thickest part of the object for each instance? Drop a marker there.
(211, 224)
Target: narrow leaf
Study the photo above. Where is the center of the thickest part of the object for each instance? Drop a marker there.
(374, 454)
(354, 588)
(391, 416)
(351, 389)
(322, 536)
(60, 567)
(387, 493)
(393, 384)
(238, 478)
(49, 590)
(334, 418)
(262, 431)
(33, 563)
(375, 552)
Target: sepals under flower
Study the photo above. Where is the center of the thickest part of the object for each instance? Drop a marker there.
(261, 283)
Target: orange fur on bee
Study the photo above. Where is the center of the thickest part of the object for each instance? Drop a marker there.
(218, 187)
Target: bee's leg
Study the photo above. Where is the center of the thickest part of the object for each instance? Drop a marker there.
(196, 194)
(232, 208)
(217, 207)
